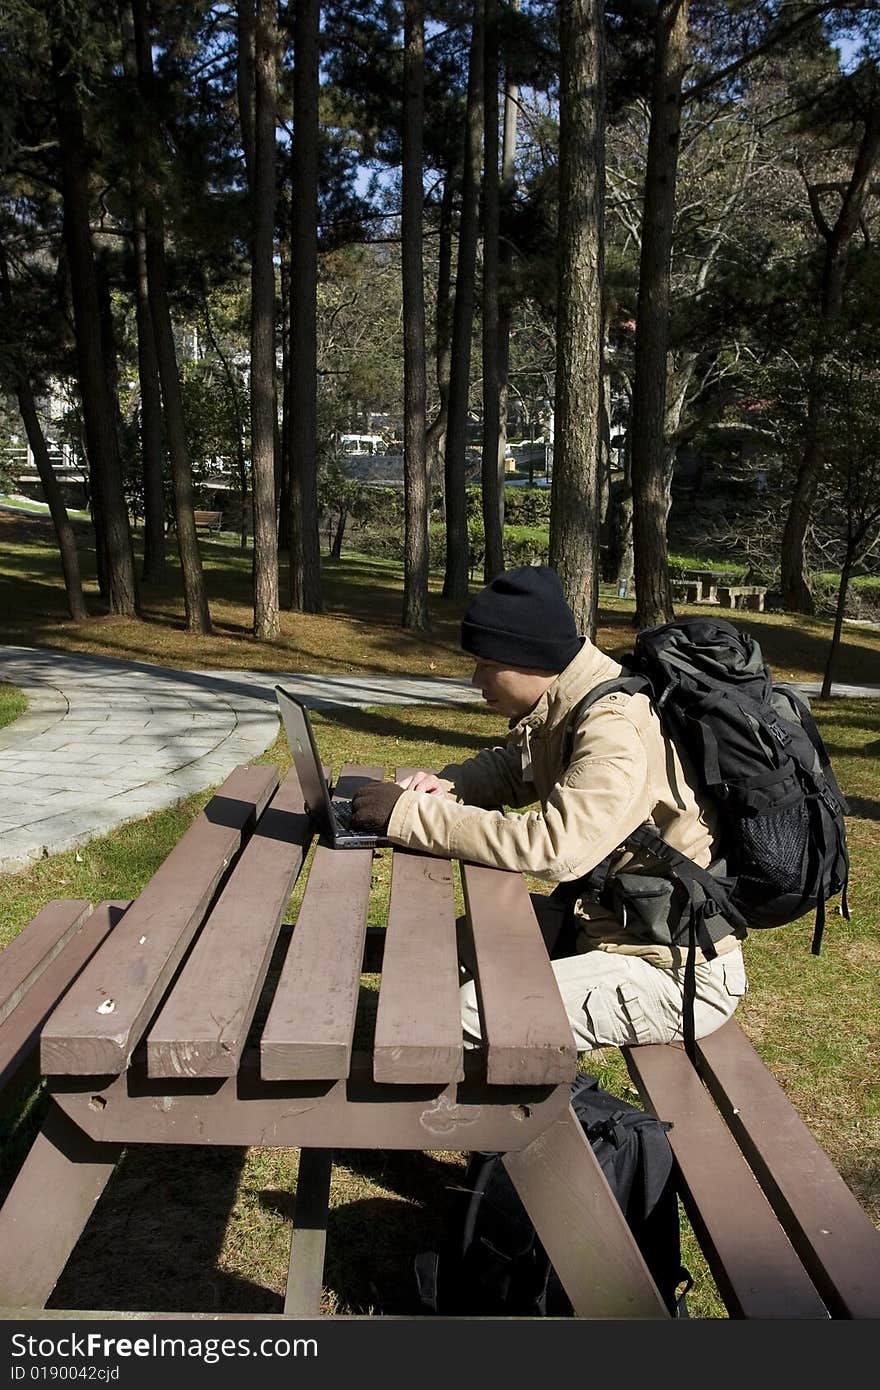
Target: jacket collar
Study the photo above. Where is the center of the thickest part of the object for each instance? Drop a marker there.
(589, 668)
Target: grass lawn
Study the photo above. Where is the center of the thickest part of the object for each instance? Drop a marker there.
(358, 632)
(210, 1229)
(12, 703)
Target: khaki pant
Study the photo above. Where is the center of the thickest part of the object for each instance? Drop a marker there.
(615, 1000)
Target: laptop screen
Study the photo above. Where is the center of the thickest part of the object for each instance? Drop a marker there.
(309, 768)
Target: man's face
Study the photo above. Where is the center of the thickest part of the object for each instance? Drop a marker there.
(511, 690)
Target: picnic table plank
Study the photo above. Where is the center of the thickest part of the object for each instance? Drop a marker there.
(834, 1237)
(309, 1240)
(309, 1031)
(418, 1035)
(580, 1223)
(47, 1208)
(203, 1027)
(99, 1022)
(729, 1212)
(527, 1033)
(36, 946)
(20, 1030)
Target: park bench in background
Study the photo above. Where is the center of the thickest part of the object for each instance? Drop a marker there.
(208, 521)
(750, 596)
(168, 1058)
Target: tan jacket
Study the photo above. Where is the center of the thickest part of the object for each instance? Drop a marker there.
(622, 772)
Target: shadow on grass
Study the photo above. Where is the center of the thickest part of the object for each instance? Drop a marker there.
(153, 1241)
(863, 807)
(376, 724)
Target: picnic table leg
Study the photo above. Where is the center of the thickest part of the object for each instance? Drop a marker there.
(47, 1208)
(581, 1226)
(306, 1270)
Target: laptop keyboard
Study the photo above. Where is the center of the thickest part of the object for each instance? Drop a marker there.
(342, 810)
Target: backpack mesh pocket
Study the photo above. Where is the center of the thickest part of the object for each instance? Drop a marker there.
(775, 846)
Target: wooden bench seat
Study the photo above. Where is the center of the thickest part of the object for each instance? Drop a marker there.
(208, 521)
(781, 1232)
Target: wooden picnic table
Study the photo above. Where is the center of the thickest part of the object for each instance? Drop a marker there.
(202, 1019)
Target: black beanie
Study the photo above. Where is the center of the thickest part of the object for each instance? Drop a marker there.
(522, 619)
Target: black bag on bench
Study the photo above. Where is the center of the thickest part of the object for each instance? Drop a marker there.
(494, 1265)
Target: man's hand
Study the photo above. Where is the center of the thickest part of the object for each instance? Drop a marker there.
(372, 804)
(423, 782)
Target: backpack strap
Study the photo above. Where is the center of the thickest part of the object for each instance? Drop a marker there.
(629, 684)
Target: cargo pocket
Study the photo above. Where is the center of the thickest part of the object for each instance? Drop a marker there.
(615, 1017)
(734, 971)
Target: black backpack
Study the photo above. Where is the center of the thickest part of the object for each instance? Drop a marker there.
(755, 749)
(494, 1265)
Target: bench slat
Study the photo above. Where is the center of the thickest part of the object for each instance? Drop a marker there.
(20, 1031)
(36, 946)
(309, 1031)
(202, 1029)
(418, 1023)
(98, 1024)
(833, 1235)
(526, 1030)
(754, 1265)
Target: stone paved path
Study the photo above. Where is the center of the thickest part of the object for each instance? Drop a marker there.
(104, 742)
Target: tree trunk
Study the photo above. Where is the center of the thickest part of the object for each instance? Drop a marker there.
(282, 462)
(492, 467)
(76, 604)
(99, 411)
(263, 404)
(796, 593)
(443, 310)
(305, 549)
(455, 582)
(507, 194)
(828, 678)
(152, 443)
(574, 515)
(415, 459)
(198, 618)
(246, 82)
(653, 589)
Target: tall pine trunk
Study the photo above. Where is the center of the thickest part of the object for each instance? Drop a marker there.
(455, 582)
(263, 399)
(305, 548)
(99, 411)
(415, 458)
(507, 194)
(443, 319)
(152, 442)
(795, 589)
(574, 508)
(653, 589)
(492, 466)
(198, 618)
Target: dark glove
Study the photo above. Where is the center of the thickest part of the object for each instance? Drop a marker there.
(372, 805)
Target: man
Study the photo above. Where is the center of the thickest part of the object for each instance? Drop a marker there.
(596, 783)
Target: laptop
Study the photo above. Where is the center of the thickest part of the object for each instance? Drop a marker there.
(330, 815)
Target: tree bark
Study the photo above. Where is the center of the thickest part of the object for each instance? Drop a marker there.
(653, 589)
(507, 193)
(152, 442)
(455, 582)
(198, 618)
(76, 604)
(793, 578)
(245, 77)
(492, 466)
(305, 549)
(99, 411)
(415, 457)
(828, 677)
(574, 507)
(443, 313)
(263, 400)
